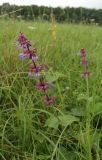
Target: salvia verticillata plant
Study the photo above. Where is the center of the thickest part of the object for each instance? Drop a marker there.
(86, 73)
(84, 62)
(35, 69)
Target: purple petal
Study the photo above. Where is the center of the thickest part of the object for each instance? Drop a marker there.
(34, 58)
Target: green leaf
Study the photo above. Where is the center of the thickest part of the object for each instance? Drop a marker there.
(52, 122)
(78, 111)
(67, 119)
(84, 96)
(97, 108)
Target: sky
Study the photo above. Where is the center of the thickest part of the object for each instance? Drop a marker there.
(62, 3)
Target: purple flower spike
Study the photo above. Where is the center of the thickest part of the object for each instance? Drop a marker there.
(82, 52)
(84, 61)
(42, 86)
(33, 51)
(35, 70)
(23, 56)
(49, 100)
(86, 73)
(34, 58)
(28, 43)
(22, 38)
(23, 41)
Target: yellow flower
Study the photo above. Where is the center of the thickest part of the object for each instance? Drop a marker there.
(54, 34)
(54, 27)
(101, 82)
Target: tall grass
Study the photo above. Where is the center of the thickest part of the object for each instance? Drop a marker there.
(71, 129)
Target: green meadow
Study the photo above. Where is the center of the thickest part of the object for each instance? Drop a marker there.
(71, 129)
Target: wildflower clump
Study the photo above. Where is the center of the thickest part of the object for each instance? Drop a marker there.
(84, 62)
(35, 69)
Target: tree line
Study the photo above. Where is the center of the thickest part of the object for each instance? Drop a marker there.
(70, 15)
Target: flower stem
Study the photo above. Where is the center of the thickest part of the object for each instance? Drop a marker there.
(88, 137)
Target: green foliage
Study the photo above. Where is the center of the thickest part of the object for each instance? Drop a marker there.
(63, 120)
(34, 12)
